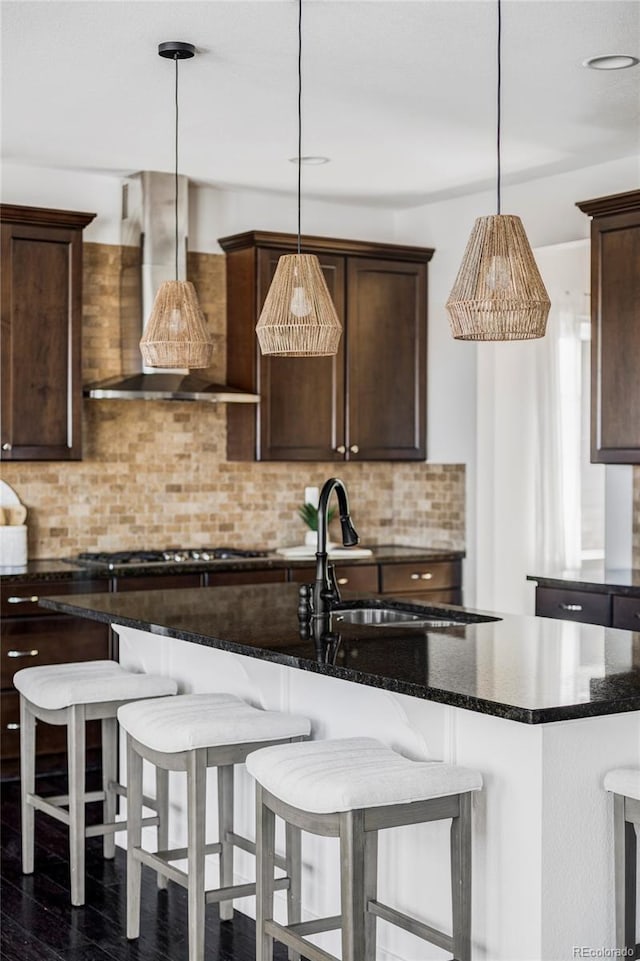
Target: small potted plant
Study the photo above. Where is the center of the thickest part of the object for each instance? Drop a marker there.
(309, 514)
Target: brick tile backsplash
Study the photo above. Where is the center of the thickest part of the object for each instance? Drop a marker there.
(154, 473)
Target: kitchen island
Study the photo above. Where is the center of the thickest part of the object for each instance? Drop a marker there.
(543, 708)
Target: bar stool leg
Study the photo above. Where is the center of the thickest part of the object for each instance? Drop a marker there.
(370, 892)
(265, 865)
(76, 767)
(162, 810)
(625, 845)
(225, 825)
(196, 840)
(352, 880)
(27, 782)
(109, 775)
(134, 838)
(293, 852)
(461, 879)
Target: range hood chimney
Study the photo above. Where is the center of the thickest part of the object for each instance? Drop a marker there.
(148, 239)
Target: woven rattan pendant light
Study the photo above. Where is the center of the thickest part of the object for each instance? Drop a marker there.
(176, 333)
(298, 318)
(498, 293)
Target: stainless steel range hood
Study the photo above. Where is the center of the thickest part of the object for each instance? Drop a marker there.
(148, 247)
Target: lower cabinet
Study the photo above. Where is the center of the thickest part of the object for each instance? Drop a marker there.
(589, 607)
(32, 636)
(438, 582)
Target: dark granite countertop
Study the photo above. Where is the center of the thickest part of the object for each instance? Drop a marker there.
(592, 577)
(57, 569)
(527, 669)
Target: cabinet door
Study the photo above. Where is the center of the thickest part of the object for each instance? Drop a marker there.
(386, 359)
(301, 415)
(615, 292)
(41, 363)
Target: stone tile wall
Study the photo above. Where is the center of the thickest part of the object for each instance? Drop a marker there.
(155, 474)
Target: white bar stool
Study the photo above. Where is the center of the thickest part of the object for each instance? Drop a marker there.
(72, 694)
(352, 789)
(624, 784)
(193, 732)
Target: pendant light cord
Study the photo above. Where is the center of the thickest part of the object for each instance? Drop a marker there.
(498, 191)
(176, 170)
(299, 116)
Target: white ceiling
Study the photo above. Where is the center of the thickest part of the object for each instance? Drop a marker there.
(399, 93)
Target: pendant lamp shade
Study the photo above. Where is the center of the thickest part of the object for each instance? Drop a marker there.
(298, 318)
(176, 333)
(498, 293)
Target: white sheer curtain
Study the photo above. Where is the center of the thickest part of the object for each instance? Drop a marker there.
(558, 420)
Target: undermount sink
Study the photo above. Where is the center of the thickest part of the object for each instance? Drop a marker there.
(374, 615)
(379, 615)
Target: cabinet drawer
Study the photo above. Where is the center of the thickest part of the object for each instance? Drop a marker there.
(229, 578)
(158, 582)
(21, 599)
(573, 605)
(420, 576)
(49, 640)
(50, 738)
(350, 577)
(626, 613)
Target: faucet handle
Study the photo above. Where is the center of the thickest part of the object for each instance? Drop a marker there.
(305, 597)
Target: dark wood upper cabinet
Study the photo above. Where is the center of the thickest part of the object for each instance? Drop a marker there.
(615, 328)
(366, 403)
(41, 333)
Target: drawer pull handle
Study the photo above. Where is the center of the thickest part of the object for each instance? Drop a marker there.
(23, 600)
(33, 653)
(343, 580)
(341, 449)
(637, 614)
(354, 449)
(422, 577)
(7, 446)
(13, 726)
(570, 607)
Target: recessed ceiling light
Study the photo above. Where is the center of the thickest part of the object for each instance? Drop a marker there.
(612, 61)
(310, 161)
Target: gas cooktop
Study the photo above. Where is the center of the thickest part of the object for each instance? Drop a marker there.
(172, 555)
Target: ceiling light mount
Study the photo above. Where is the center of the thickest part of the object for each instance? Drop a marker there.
(176, 50)
(611, 61)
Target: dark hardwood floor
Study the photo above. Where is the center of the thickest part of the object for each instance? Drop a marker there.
(39, 924)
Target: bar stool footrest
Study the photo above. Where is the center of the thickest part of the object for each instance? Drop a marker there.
(234, 891)
(412, 925)
(284, 934)
(112, 827)
(317, 926)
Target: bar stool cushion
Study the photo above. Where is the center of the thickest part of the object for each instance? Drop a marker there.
(325, 777)
(54, 686)
(191, 721)
(625, 781)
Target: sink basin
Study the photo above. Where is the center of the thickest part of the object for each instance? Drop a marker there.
(372, 614)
